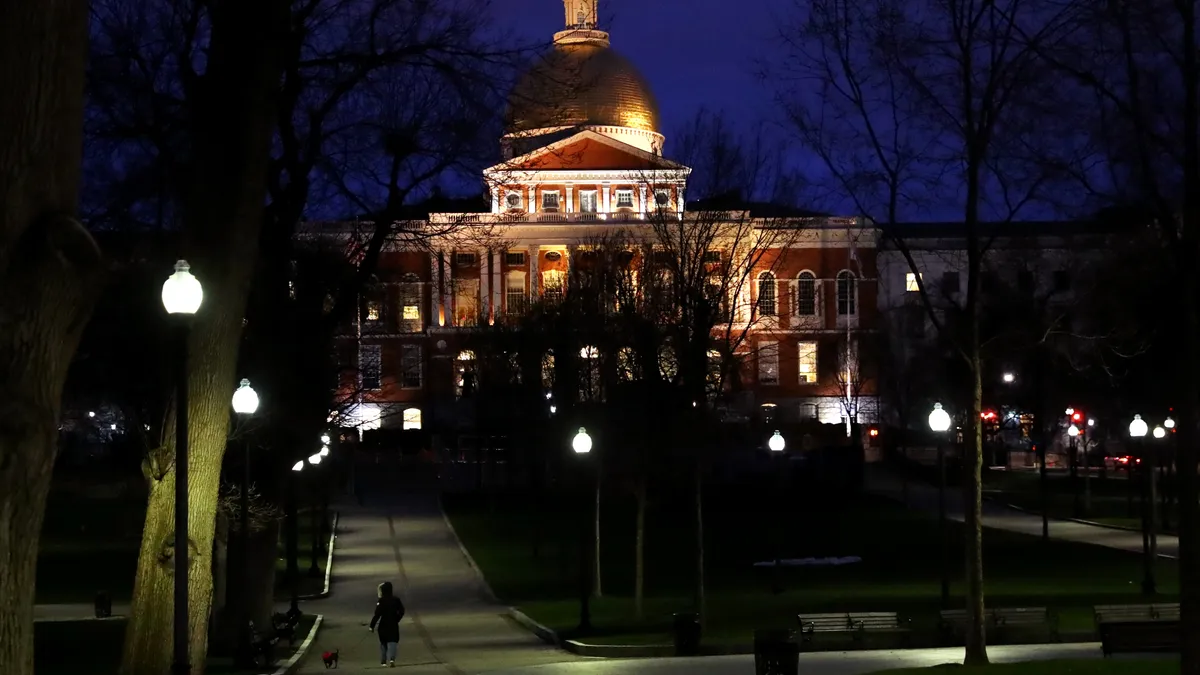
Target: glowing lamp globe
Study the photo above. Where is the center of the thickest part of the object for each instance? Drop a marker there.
(939, 419)
(181, 292)
(298, 466)
(1160, 432)
(777, 443)
(324, 439)
(582, 443)
(245, 399)
(324, 451)
(315, 459)
(1138, 427)
(1072, 431)
(1169, 423)
(1009, 377)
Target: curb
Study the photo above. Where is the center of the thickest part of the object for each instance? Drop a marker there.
(325, 592)
(485, 587)
(544, 634)
(293, 664)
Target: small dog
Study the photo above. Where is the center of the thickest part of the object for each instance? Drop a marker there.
(330, 658)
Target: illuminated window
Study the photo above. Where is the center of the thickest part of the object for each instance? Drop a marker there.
(466, 302)
(412, 313)
(374, 310)
(627, 365)
(911, 283)
(768, 363)
(514, 293)
(587, 201)
(552, 286)
(410, 304)
(548, 370)
(465, 377)
(808, 362)
(412, 419)
(668, 365)
(589, 374)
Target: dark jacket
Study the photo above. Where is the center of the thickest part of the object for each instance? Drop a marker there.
(388, 613)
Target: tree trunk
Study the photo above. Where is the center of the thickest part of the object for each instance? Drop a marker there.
(701, 600)
(49, 271)
(976, 651)
(222, 214)
(639, 568)
(221, 560)
(596, 590)
(260, 573)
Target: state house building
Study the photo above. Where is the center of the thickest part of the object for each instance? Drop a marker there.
(584, 157)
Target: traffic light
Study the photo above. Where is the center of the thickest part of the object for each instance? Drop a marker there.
(1077, 416)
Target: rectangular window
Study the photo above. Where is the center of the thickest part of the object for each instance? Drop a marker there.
(374, 310)
(370, 366)
(587, 201)
(464, 258)
(624, 199)
(549, 201)
(712, 256)
(514, 293)
(664, 257)
(768, 363)
(412, 313)
(514, 258)
(410, 366)
(808, 363)
(950, 283)
(466, 302)
(552, 286)
(911, 285)
(410, 308)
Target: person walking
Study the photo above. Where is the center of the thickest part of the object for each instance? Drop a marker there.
(388, 613)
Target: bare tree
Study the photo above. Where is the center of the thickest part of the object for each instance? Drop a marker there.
(49, 269)
(918, 100)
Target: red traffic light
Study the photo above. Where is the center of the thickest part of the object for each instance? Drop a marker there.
(1077, 416)
(873, 432)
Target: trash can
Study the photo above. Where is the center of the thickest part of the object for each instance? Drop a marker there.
(103, 605)
(776, 652)
(687, 634)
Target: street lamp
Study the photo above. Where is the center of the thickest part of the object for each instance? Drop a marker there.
(939, 423)
(181, 297)
(1160, 432)
(313, 570)
(582, 445)
(1009, 378)
(1169, 423)
(245, 403)
(324, 439)
(777, 443)
(1137, 431)
(324, 451)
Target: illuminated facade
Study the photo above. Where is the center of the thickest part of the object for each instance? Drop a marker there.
(584, 159)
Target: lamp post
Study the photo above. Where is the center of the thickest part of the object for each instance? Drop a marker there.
(1137, 431)
(245, 403)
(939, 423)
(1168, 474)
(582, 445)
(314, 570)
(293, 544)
(181, 296)
(1073, 435)
(776, 444)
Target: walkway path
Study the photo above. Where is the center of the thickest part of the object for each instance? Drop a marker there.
(824, 663)
(923, 496)
(399, 534)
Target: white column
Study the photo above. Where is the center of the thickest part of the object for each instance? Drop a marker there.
(681, 198)
(497, 259)
(435, 294)
(607, 208)
(532, 199)
(535, 277)
(495, 200)
(642, 198)
(483, 285)
(570, 190)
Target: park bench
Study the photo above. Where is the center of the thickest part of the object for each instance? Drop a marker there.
(1145, 612)
(856, 625)
(1005, 621)
(285, 625)
(262, 647)
(1139, 637)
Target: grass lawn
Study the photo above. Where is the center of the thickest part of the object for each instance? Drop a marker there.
(94, 648)
(899, 569)
(87, 545)
(1077, 667)
(1109, 504)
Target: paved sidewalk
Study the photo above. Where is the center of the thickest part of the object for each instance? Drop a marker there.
(398, 534)
(923, 496)
(821, 663)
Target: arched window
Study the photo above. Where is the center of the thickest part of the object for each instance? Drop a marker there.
(627, 365)
(589, 373)
(806, 294)
(767, 304)
(847, 291)
(412, 419)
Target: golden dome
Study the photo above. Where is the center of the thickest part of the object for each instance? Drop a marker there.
(582, 84)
